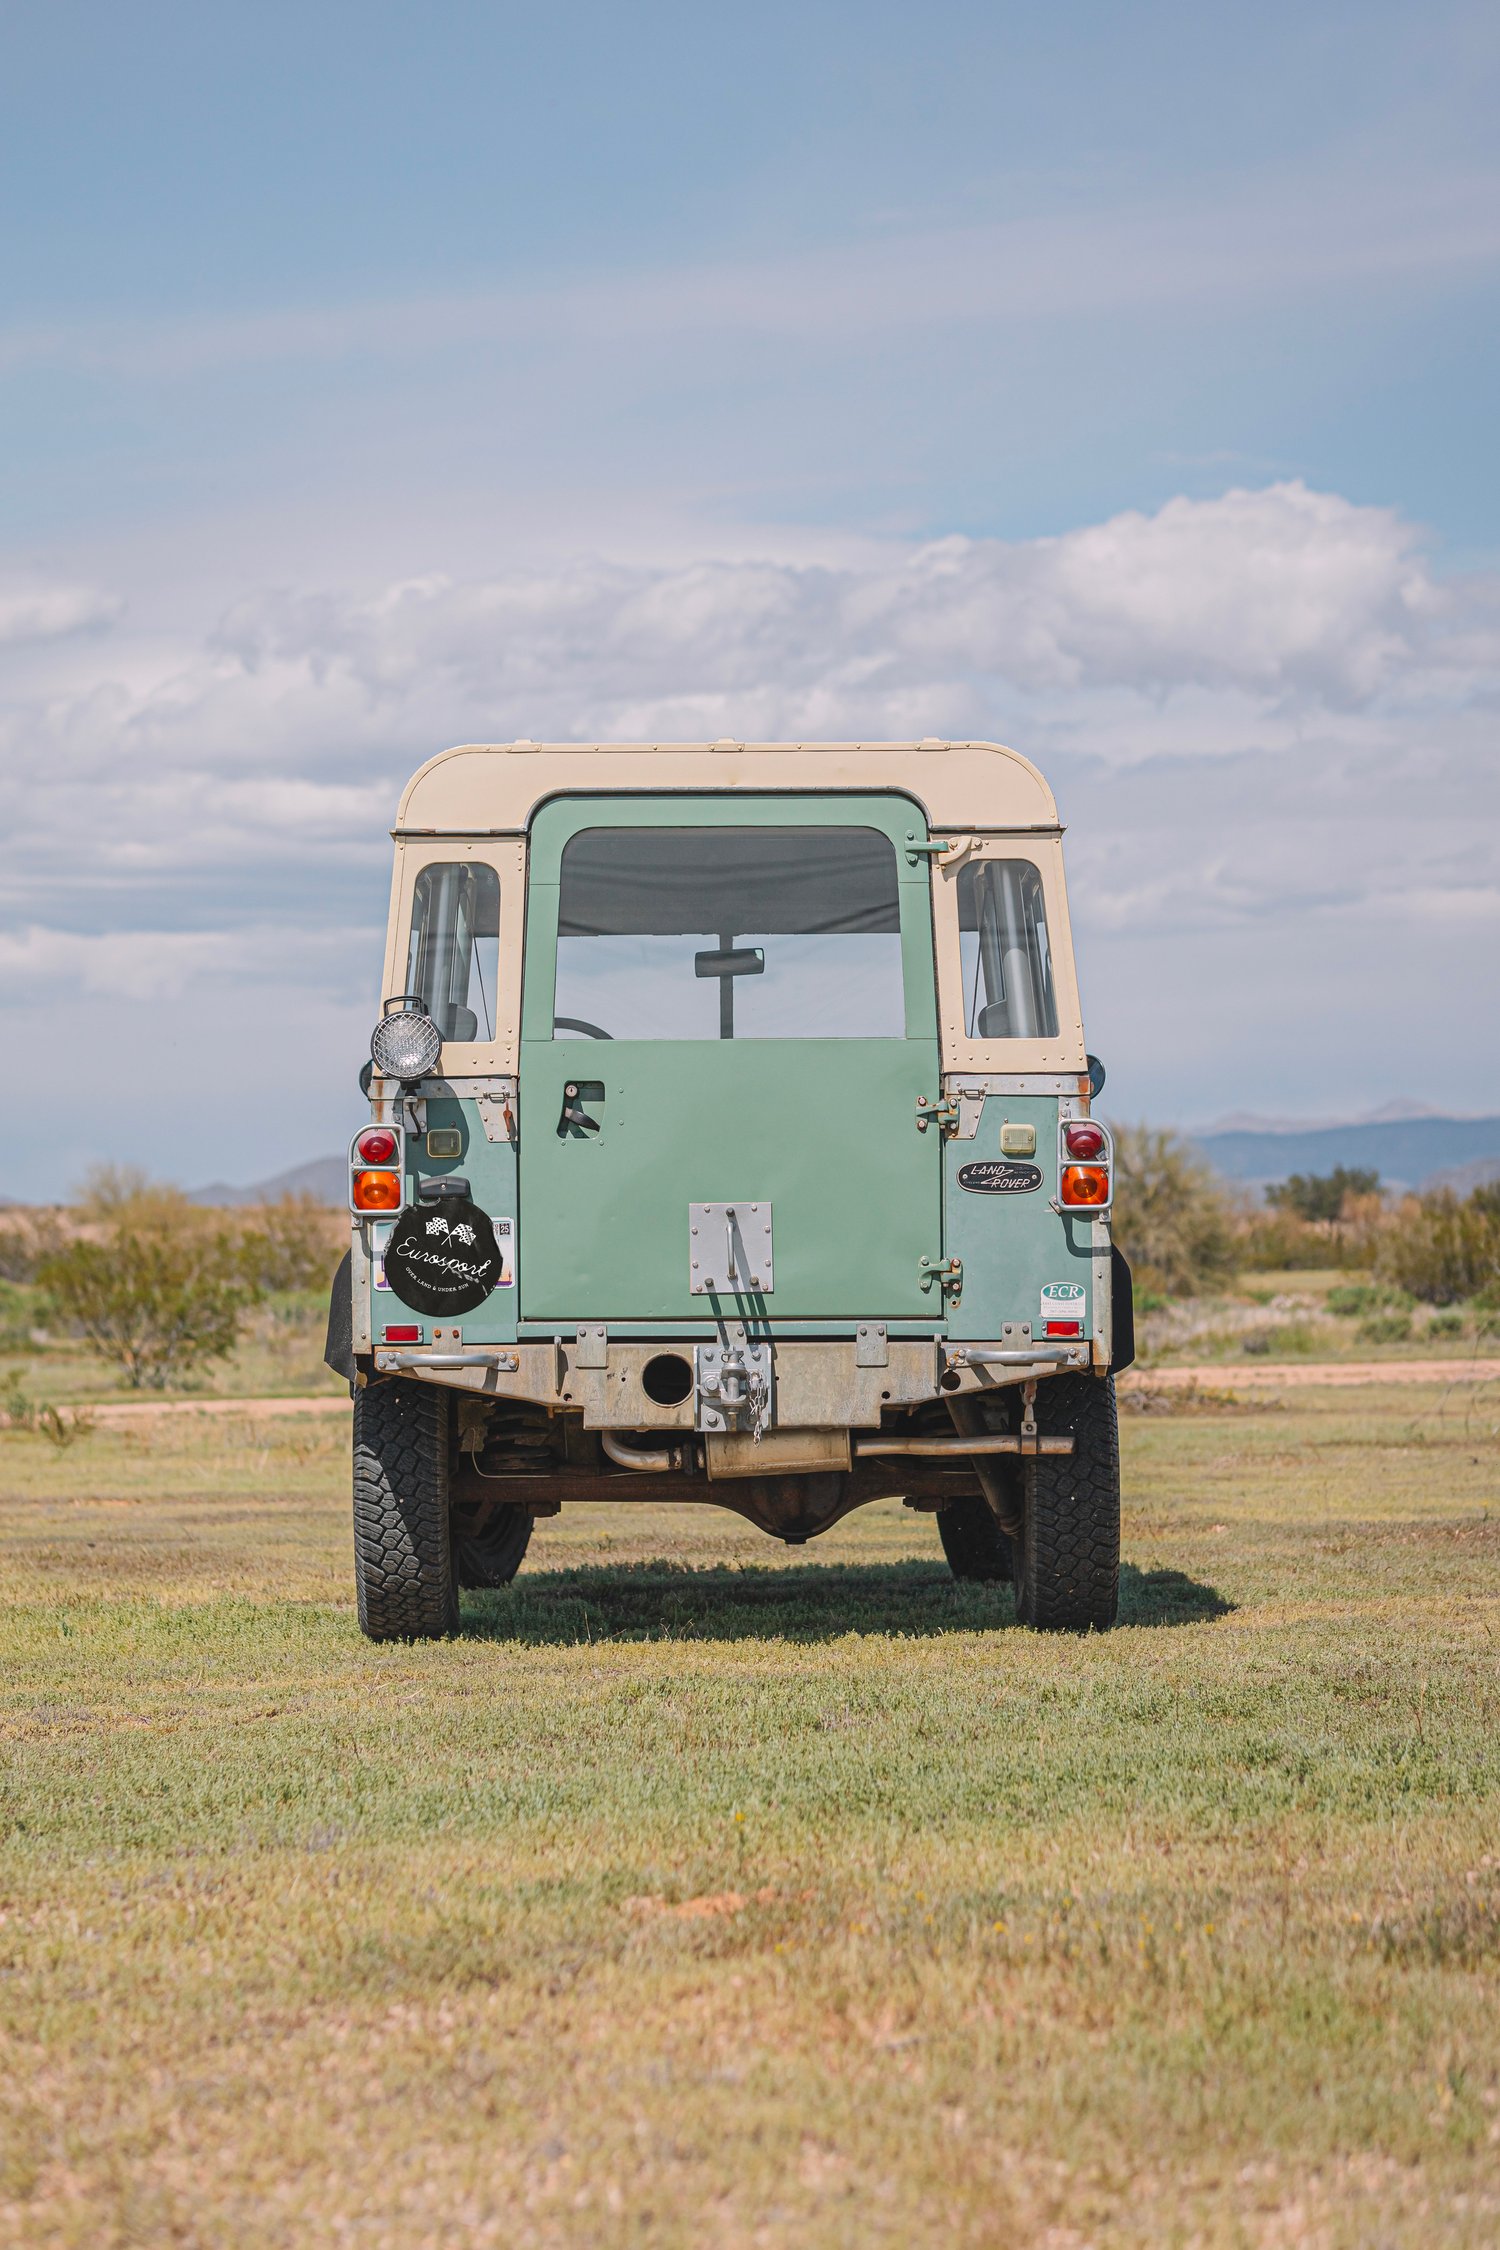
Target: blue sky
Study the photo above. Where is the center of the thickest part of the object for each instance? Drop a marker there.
(374, 378)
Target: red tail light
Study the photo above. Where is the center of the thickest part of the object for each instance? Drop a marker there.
(1085, 1185)
(378, 1146)
(407, 1335)
(1083, 1139)
(1049, 1328)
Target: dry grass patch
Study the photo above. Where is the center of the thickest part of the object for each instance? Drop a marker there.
(706, 1894)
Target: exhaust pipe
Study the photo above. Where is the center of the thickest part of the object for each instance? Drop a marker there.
(942, 1448)
(650, 1462)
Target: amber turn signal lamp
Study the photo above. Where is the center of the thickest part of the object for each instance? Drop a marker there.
(1085, 1184)
(378, 1146)
(1081, 1139)
(377, 1191)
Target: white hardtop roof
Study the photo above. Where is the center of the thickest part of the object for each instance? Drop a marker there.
(494, 787)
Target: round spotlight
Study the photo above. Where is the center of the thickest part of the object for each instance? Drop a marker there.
(406, 1045)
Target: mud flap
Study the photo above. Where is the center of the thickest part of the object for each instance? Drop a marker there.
(338, 1350)
(1121, 1312)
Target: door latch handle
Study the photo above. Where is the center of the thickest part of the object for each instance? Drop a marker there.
(574, 1119)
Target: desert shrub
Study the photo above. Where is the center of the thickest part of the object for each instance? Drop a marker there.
(292, 1246)
(1446, 1324)
(159, 1293)
(1288, 1340)
(25, 1239)
(1322, 1196)
(59, 1425)
(1172, 1218)
(1385, 1328)
(1353, 1298)
(1274, 1241)
(1441, 1248)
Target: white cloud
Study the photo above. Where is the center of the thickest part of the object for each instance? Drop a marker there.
(46, 613)
(153, 965)
(1269, 718)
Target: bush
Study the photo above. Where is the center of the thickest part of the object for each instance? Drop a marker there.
(293, 1246)
(1385, 1328)
(1446, 1324)
(1352, 1298)
(1285, 1341)
(1442, 1249)
(1322, 1196)
(157, 1299)
(1172, 1218)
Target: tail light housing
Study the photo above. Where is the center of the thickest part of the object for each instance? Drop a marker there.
(1085, 1165)
(377, 1171)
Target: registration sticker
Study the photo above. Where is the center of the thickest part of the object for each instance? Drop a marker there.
(505, 1238)
(1063, 1300)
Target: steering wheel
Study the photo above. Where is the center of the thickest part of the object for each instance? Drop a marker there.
(576, 1023)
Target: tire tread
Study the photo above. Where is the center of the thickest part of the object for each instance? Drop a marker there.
(403, 1555)
(1069, 1574)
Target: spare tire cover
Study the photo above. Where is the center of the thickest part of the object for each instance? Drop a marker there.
(443, 1257)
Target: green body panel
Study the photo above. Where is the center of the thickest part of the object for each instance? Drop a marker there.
(1012, 1246)
(822, 1130)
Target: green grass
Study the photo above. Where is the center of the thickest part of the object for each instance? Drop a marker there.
(704, 1892)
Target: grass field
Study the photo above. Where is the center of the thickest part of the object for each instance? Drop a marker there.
(706, 1894)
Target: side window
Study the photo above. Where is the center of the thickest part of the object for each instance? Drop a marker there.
(453, 960)
(1002, 926)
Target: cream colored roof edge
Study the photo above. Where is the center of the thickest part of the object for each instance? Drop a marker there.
(497, 785)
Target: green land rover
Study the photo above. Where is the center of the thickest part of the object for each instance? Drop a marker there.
(730, 1141)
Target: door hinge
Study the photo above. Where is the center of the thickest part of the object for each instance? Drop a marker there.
(917, 846)
(938, 1110)
(948, 1272)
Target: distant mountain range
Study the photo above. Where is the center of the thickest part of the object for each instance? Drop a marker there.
(326, 1178)
(1410, 1146)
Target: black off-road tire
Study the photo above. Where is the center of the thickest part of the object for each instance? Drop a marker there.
(1068, 1555)
(489, 1543)
(403, 1551)
(973, 1542)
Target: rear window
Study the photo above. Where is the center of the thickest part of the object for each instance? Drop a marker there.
(1007, 963)
(729, 933)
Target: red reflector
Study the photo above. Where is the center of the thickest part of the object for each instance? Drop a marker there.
(411, 1335)
(1084, 1184)
(378, 1146)
(1052, 1328)
(1083, 1140)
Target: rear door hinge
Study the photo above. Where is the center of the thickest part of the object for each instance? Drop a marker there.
(947, 1272)
(937, 1110)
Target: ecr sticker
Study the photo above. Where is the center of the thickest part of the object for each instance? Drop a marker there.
(1063, 1300)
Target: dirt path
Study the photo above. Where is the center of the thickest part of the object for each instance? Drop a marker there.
(1297, 1375)
(113, 1411)
(1303, 1374)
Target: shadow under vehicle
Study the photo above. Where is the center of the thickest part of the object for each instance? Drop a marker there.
(730, 1141)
